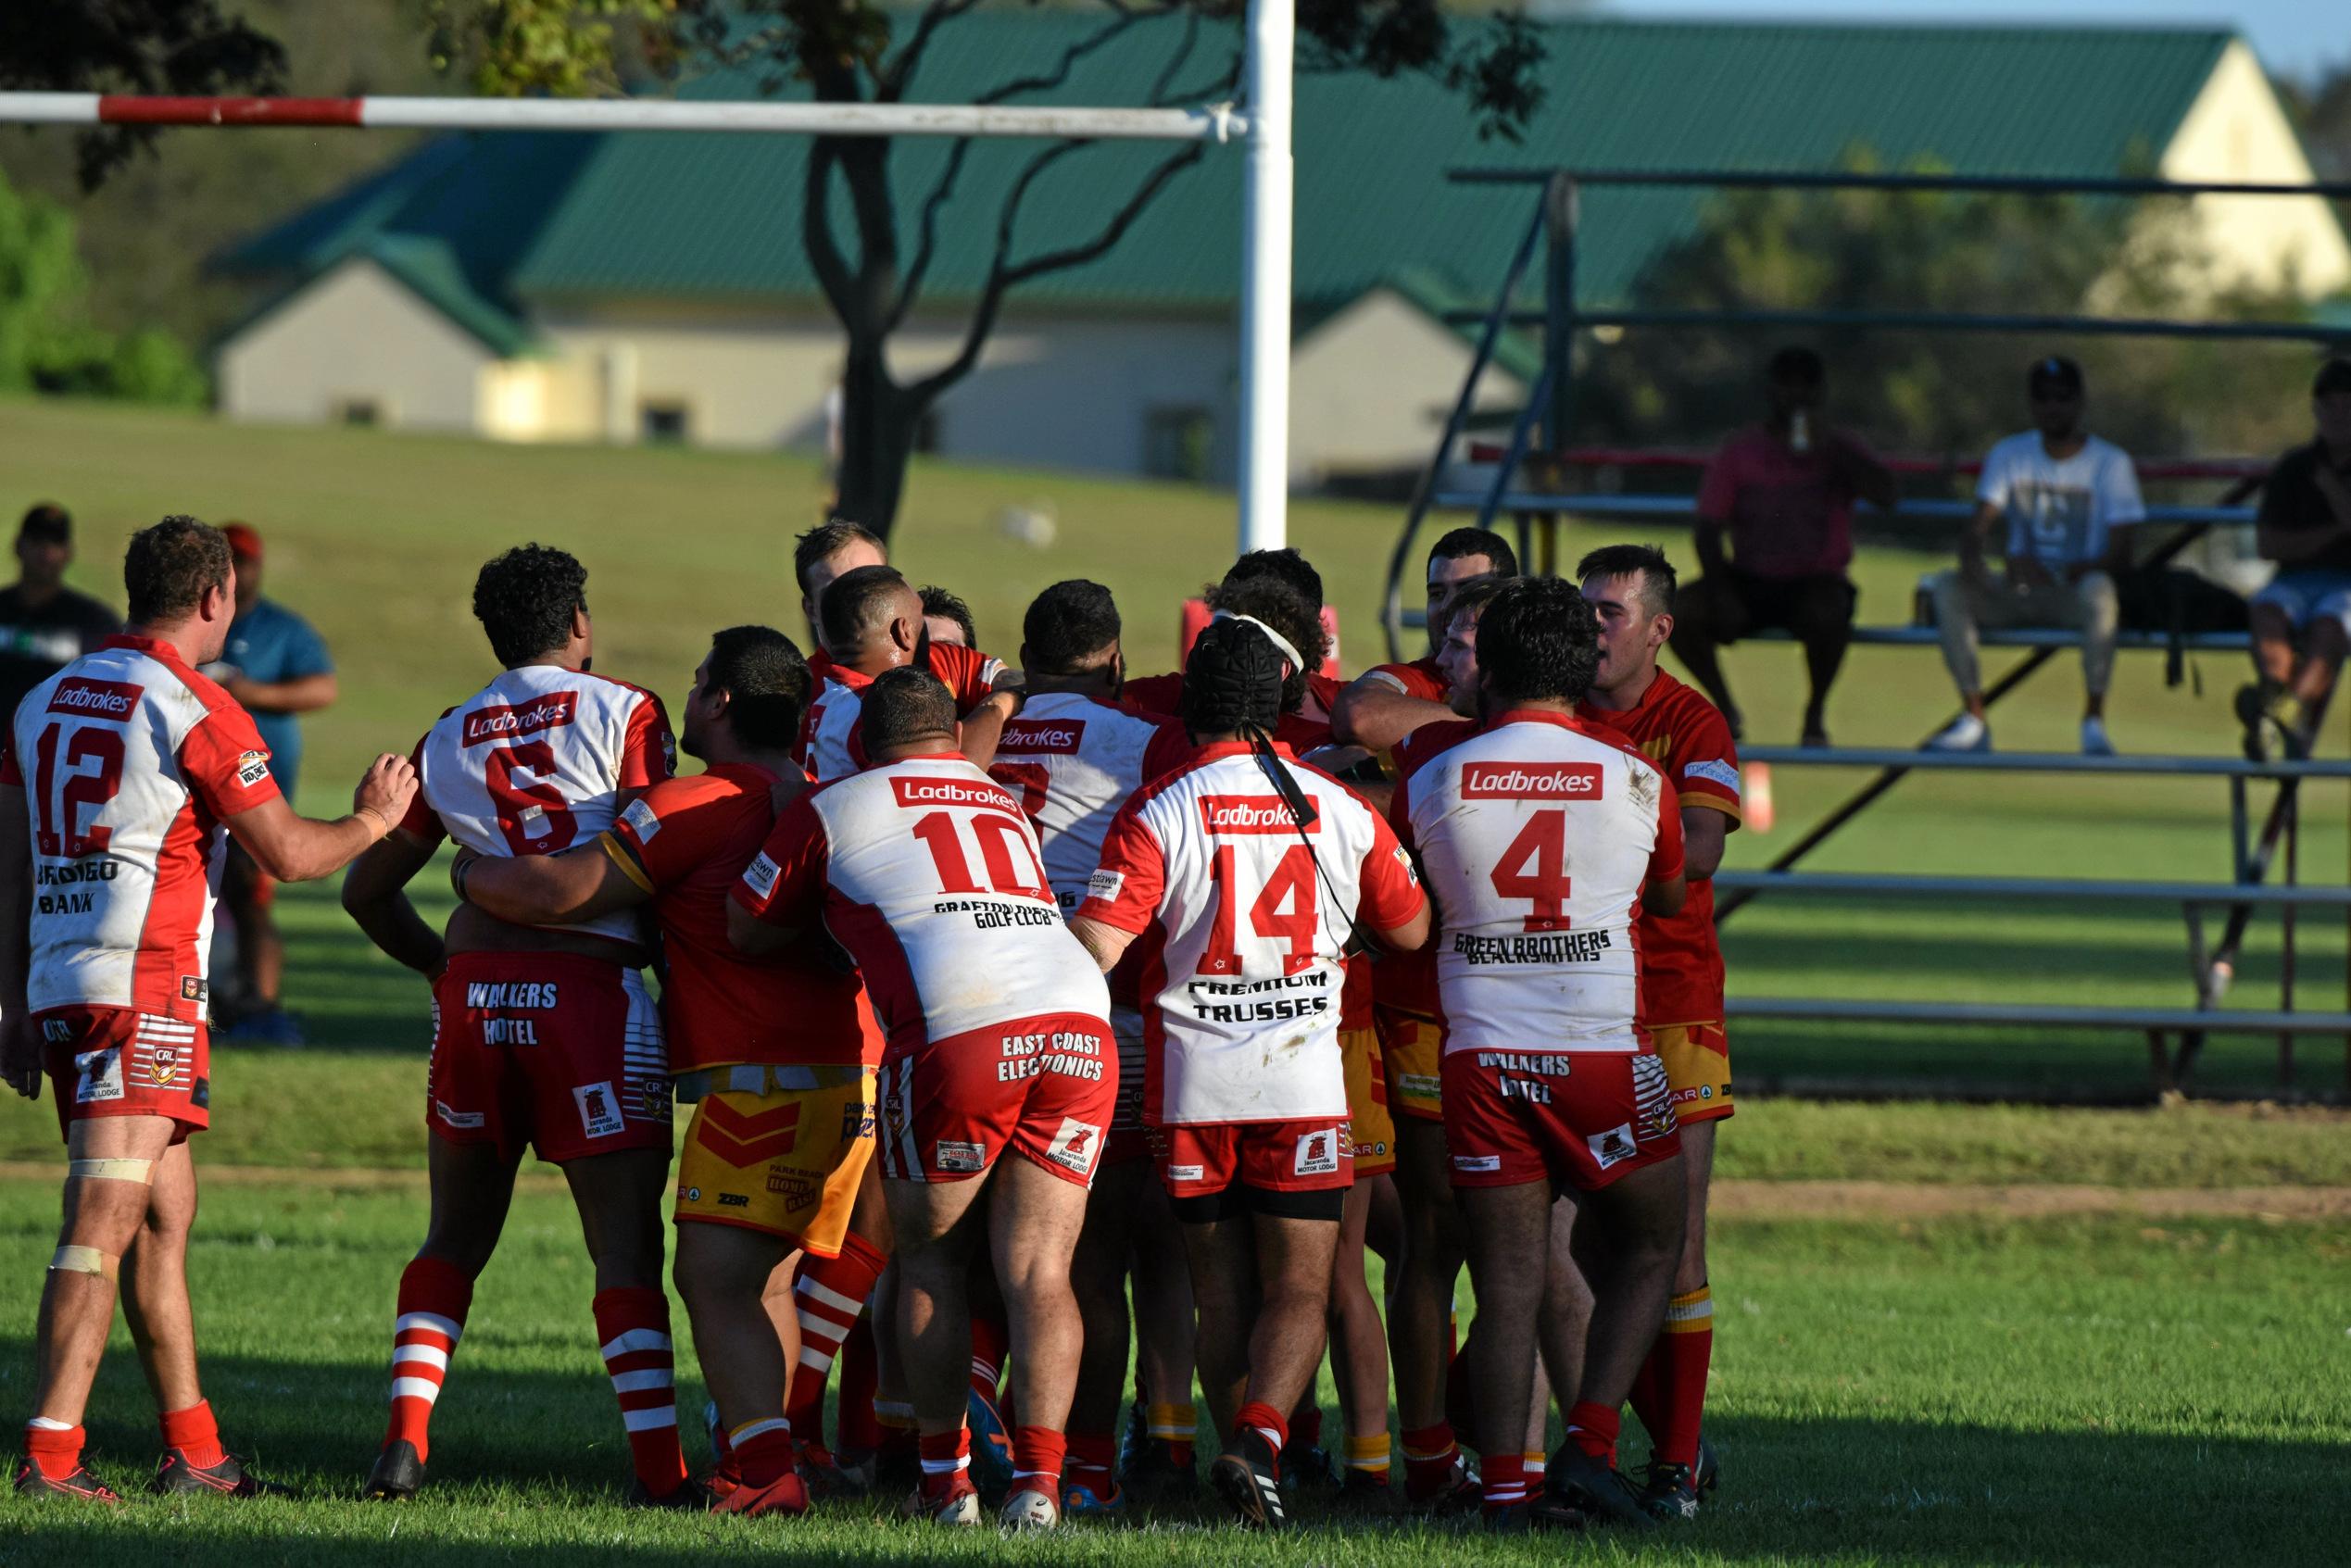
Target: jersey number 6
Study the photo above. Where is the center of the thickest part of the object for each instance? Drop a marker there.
(536, 818)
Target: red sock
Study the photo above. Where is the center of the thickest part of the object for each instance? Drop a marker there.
(860, 1430)
(830, 1294)
(1506, 1481)
(1591, 1428)
(435, 1297)
(1680, 1358)
(946, 1456)
(990, 1338)
(1038, 1453)
(763, 1457)
(1306, 1425)
(1091, 1459)
(1430, 1454)
(1264, 1420)
(55, 1451)
(634, 1326)
(195, 1434)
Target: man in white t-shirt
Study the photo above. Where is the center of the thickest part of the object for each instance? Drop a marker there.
(2064, 496)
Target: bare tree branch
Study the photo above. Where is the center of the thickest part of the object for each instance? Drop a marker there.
(1113, 231)
(824, 257)
(890, 86)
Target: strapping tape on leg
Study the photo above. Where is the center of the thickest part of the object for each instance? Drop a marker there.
(139, 1171)
(85, 1260)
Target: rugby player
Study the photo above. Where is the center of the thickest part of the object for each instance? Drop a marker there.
(1074, 757)
(1631, 588)
(1550, 1078)
(947, 618)
(1305, 722)
(120, 773)
(777, 1058)
(1389, 701)
(544, 1036)
(873, 622)
(927, 871)
(1247, 1093)
(825, 552)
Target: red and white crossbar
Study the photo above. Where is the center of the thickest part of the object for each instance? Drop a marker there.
(1218, 122)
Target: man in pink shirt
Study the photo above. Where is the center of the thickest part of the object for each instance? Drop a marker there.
(1784, 491)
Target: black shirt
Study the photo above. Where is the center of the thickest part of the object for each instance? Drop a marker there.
(37, 642)
(2292, 503)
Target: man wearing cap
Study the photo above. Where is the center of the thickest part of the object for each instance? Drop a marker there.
(2305, 526)
(277, 667)
(2064, 497)
(43, 624)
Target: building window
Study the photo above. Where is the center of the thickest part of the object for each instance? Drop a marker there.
(362, 411)
(662, 424)
(1177, 442)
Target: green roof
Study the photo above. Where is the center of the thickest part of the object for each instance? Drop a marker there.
(519, 219)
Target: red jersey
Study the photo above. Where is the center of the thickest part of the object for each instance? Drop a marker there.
(687, 841)
(832, 743)
(1419, 679)
(1305, 731)
(1409, 980)
(1688, 739)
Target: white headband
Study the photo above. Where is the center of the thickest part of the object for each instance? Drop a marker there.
(1279, 641)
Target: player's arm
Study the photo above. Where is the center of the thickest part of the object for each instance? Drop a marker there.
(1705, 832)
(1107, 943)
(781, 893)
(1668, 887)
(1390, 904)
(19, 1043)
(298, 848)
(303, 693)
(984, 725)
(375, 896)
(589, 880)
(1375, 713)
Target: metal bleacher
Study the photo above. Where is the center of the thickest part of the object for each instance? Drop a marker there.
(1526, 483)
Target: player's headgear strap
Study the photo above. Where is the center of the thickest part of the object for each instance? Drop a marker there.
(1279, 642)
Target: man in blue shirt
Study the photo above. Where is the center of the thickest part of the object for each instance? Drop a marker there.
(277, 667)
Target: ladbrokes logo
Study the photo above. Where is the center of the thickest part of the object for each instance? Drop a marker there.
(1250, 813)
(919, 791)
(1530, 781)
(503, 722)
(1057, 737)
(95, 699)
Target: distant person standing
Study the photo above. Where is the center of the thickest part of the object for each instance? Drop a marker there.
(2064, 495)
(1783, 490)
(43, 624)
(2305, 526)
(277, 667)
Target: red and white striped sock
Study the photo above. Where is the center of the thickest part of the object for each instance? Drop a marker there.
(830, 1293)
(435, 1297)
(634, 1326)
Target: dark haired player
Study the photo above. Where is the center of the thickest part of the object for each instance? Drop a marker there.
(777, 1058)
(1550, 1079)
(829, 550)
(948, 619)
(120, 774)
(1245, 876)
(544, 1036)
(927, 871)
(1255, 585)
(1389, 701)
(872, 623)
(1074, 757)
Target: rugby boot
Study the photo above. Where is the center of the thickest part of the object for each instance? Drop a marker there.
(1592, 1485)
(1507, 1519)
(960, 1506)
(1030, 1507)
(1706, 1475)
(1134, 1437)
(1669, 1492)
(786, 1495)
(688, 1496)
(81, 1485)
(826, 1476)
(1308, 1464)
(1548, 1510)
(1362, 1493)
(1157, 1477)
(397, 1473)
(1081, 1501)
(1464, 1493)
(1247, 1476)
(177, 1472)
(991, 1444)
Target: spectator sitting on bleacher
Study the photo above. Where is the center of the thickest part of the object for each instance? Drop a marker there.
(2065, 496)
(1785, 490)
(2305, 526)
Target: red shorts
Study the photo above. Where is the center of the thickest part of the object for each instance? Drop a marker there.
(1044, 1087)
(113, 1062)
(554, 1050)
(1577, 1119)
(1315, 1155)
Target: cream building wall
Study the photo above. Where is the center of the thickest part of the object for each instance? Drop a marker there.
(356, 337)
(2237, 130)
(1370, 388)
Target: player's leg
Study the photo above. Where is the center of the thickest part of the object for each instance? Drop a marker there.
(1036, 1212)
(1293, 1238)
(939, 1226)
(825, 1302)
(721, 1273)
(1509, 1229)
(1221, 1251)
(1420, 1310)
(1359, 1351)
(162, 1323)
(618, 1198)
(1634, 1226)
(1097, 1278)
(1167, 1329)
(110, 1162)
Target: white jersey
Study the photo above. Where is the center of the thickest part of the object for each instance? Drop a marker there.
(1244, 920)
(1538, 836)
(927, 871)
(1073, 762)
(532, 763)
(130, 760)
(830, 746)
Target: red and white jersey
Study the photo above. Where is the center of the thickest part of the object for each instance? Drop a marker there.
(1538, 834)
(1242, 934)
(831, 745)
(929, 873)
(130, 760)
(1073, 762)
(533, 763)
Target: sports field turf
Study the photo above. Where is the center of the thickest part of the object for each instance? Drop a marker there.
(1948, 1334)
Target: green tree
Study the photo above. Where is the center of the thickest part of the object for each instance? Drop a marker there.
(47, 343)
(872, 272)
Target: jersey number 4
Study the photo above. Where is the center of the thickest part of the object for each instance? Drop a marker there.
(1284, 911)
(1535, 868)
(65, 795)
